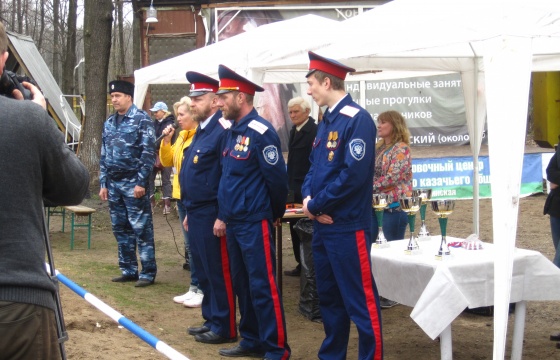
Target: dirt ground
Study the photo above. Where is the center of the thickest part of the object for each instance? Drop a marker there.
(94, 335)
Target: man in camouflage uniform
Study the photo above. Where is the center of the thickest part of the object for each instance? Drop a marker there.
(127, 159)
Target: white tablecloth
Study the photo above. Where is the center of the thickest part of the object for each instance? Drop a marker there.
(440, 290)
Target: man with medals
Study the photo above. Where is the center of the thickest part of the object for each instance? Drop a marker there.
(337, 194)
(199, 179)
(252, 195)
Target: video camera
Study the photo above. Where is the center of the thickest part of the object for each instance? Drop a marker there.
(10, 81)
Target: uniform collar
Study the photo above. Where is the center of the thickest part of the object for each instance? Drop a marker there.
(132, 110)
(331, 115)
(208, 124)
(244, 121)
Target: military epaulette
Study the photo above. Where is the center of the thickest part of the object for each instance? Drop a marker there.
(349, 111)
(257, 126)
(225, 123)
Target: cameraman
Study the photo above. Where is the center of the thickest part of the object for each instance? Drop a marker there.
(36, 166)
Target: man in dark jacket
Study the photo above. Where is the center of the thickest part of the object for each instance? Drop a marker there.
(36, 167)
(302, 135)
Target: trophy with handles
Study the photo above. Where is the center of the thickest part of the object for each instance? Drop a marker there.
(426, 196)
(411, 205)
(443, 208)
(379, 205)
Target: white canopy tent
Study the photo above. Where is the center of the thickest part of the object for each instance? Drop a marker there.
(265, 44)
(258, 45)
(494, 45)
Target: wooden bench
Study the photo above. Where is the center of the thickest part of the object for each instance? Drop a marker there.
(80, 211)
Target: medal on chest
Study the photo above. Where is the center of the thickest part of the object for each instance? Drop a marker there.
(195, 159)
(332, 144)
(238, 145)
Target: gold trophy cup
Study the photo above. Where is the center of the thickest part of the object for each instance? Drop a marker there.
(411, 205)
(443, 208)
(426, 196)
(379, 205)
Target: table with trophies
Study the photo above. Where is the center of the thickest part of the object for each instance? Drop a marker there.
(440, 276)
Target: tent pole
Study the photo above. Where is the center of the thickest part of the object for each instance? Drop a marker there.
(476, 152)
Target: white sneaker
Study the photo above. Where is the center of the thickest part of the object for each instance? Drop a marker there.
(195, 301)
(182, 298)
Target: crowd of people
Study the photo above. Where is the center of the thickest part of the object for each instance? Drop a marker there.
(232, 185)
(223, 165)
(225, 170)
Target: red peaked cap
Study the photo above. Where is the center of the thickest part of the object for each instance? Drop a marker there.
(201, 84)
(330, 66)
(231, 81)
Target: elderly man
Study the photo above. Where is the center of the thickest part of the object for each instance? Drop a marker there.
(127, 159)
(300, 144)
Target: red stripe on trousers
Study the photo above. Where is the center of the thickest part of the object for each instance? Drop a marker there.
(273, 287)
(229, 286)
(367, 284)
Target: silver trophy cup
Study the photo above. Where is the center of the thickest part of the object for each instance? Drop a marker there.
(443, 208)
(426, 196)
(379, 204)
(411, 205)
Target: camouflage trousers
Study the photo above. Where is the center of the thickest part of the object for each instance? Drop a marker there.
(131, 219)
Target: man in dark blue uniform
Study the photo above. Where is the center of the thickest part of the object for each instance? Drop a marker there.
(337, 194)
(199, 179)
(127, 159)
(252, 193)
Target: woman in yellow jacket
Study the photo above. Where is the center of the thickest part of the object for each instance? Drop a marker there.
(172, 155)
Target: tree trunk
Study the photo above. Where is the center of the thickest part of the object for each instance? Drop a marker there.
(70, 59)
(122, 65)
(19, 17)
(13, 16)
(26, 12)
(42, 29)
(56, 37)
(136, 36)
(98, 21)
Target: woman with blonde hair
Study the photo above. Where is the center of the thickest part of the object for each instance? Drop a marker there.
(392, 176)
(172, 155)
(393, 172)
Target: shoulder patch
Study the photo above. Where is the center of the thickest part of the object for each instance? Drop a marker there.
(257, 126)
(357, 149)
(225, 123)
(349, 111)
(271, 154)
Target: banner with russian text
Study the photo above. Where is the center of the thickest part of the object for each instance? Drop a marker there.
(452, 177)
(433, 106)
